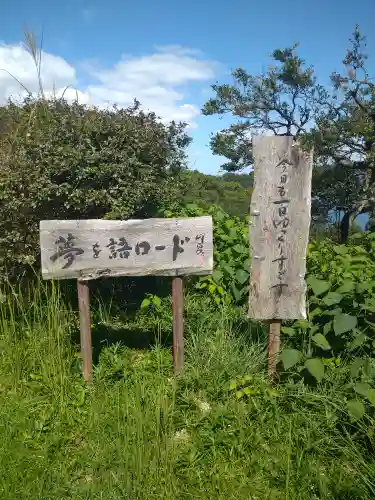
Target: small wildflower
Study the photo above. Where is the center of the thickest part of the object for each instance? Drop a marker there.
(181, 435)
(203, 406)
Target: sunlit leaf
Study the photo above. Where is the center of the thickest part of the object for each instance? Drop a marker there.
(318, 286)
(242, 276)
(217, 275)
(356, 366)
(290, 357)
(288, 330)
(356, 409)
(321, 341)
(341, 249)
(332, 298)
(346, 287)
(344, 323)
(371, 396)
(316, 368)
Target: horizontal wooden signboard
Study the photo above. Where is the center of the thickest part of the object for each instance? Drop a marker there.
(90, 249)
(279, 230)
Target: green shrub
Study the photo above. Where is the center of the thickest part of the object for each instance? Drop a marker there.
(61, 161)
(339, 331)
(229, 283)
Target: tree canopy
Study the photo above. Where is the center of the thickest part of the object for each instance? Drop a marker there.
(337, 121)
(231, 192)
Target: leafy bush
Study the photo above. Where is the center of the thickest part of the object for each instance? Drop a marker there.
(67, 161)
(341, 318)
(229, 283)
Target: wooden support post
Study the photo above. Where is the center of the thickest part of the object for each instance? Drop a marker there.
(273, 346)
(178, 323)
(85, 328)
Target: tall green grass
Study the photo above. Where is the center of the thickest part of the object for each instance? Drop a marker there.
(140, 433)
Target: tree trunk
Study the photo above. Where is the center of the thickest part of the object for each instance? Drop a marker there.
(345, 226)
(349, 217)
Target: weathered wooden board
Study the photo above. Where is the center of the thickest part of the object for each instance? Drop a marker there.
(90, 249)
(280, 219)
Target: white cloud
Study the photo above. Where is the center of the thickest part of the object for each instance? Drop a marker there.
(160, 81)
(16, 63)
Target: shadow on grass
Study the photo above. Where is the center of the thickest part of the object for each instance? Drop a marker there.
(104, 336)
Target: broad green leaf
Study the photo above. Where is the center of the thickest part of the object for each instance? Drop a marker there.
(346, 287)
(318, 286)
(217, 275)
(247, 264)
(211, 289)
(242, 276)
(362, 287)
(288, 330)
(227, 268)
(356, 236)
(304, 324)
(290, 357)
(332, 298)
(316, 368)
(356, 409)
(218, 300)
(371, 396)
(344, 323)
(233, 233)
(327, 327)
(200, 286)
(341, 249)
(356, 366)
(358, 340)
(361, 260)
(368, 368)
(156, 300)
(233, 385)
(145, 303)
(333, 312)
(321, 341)
(240, 248)
(236, 292)
(315, 312)
(362, 389)
(239, 394)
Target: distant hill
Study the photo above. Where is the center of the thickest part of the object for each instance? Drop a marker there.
(230, 191)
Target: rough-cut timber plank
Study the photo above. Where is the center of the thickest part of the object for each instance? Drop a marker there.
(280, 220)
(90, 249)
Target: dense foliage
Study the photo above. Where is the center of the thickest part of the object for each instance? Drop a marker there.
(229, 283)
(61, 161)
(231, 192)
(339, 332)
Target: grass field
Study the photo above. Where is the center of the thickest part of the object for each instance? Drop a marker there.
(140, 433)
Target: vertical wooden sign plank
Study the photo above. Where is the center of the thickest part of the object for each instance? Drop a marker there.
(178, 323)
(279, 231)
(85, 328)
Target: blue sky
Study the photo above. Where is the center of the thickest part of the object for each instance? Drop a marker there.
(168, 53)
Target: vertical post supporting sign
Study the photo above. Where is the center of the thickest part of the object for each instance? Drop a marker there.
(279, 230)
